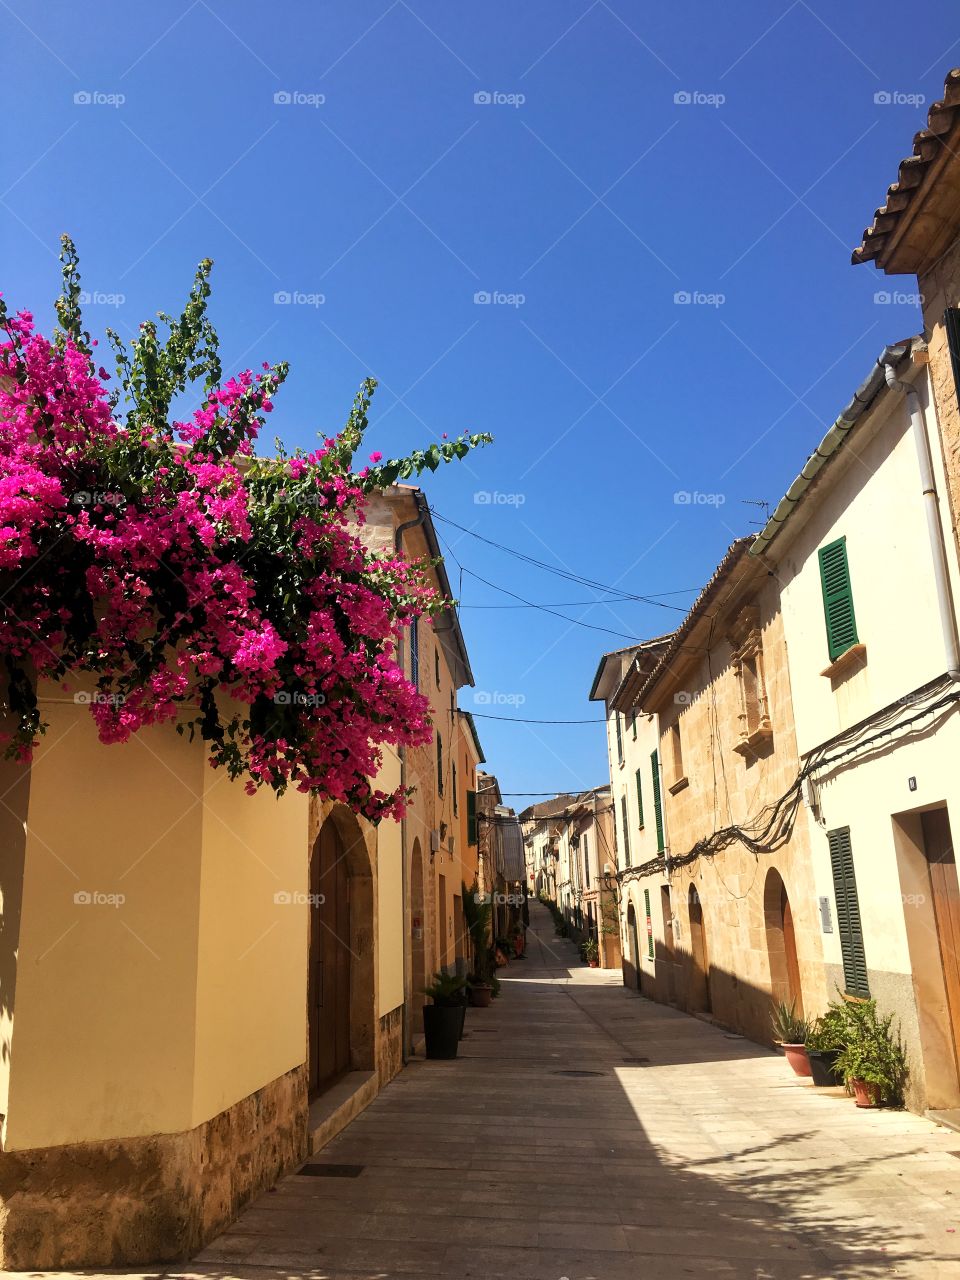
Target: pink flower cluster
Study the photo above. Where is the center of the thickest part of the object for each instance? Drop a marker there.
(196, 582)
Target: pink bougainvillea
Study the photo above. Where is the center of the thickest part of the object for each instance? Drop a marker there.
(194, 581)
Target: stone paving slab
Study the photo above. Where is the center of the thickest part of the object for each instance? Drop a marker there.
(711, 1160)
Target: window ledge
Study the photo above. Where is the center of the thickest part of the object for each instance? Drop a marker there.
(678, 785)
(749, 745)
(851, 659)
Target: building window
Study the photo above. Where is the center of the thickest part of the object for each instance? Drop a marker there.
(649, 921)
(471, 817)
(453, 787)
(633, 722)
(586, 860)
(657, 799)
(639, 801)
(676, 757)
(848, 913)
(439, 764)
(754, 726)
(626, 832)
(415, 653)
(436, 664)
(837, 598)
(616, 716)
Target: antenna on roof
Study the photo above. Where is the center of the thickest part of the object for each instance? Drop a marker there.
(758, 502)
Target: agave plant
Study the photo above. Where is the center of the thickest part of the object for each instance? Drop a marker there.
(788, 1026)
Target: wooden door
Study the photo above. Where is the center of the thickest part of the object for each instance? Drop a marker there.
(945, 892)
(700, 977)
(669, 959)
(329, 983)
(633, 942)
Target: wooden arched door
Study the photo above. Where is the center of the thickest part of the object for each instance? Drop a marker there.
(633, 945)
(329, 974)
(700, 960)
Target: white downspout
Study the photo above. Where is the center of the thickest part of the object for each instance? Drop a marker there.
(931, 502)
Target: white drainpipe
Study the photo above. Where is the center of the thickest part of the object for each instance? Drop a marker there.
(948, 618)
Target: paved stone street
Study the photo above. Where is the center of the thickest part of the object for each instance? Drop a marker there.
(682, 1151)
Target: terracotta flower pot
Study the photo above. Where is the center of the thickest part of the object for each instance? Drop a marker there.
(865, 1093)
(594, 964)
(796, 1055)
(481, 994)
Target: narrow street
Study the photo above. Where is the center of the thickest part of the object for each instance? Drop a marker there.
(675, 1150)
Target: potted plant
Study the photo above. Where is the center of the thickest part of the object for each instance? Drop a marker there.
(790, 1033)
(502, 952)
(477, 911)
(825, 1040)
(443, 1020)
(519, 935)
(872, 1061)
(591, 952)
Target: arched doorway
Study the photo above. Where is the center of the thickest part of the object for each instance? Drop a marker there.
(418, 975)
(781, 943)
(700, 960)
(340, 1015)
(633, 947)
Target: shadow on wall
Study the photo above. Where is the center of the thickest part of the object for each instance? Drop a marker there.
(14, 801)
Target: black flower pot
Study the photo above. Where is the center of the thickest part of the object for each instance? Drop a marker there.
(441, 1029)
(823, 1067)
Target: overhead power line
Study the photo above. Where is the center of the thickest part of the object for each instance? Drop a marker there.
(561, 573)
(482, 715)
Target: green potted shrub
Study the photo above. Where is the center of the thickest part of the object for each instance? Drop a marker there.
(825, 1039)
(872, 1061)
(790, 1032)
(590, 950)
(477, 912)
(443, 1020)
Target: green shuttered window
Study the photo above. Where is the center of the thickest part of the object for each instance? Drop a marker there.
(848, 913)
(616, 716)
(626, 831)
(640, 799)
(837, 598)
(646, 909)
(657, 802)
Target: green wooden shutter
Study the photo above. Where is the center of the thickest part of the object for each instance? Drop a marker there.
(453, 788)
(471, 817)
(646, 907)
(633, 721)
(439, 765)
(657, 802)
(837, 598)
(619, 736)
(951, 322)
(848, 913)
(626, 831)
(640, 799)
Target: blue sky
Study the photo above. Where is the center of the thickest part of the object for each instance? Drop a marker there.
(381, 163)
